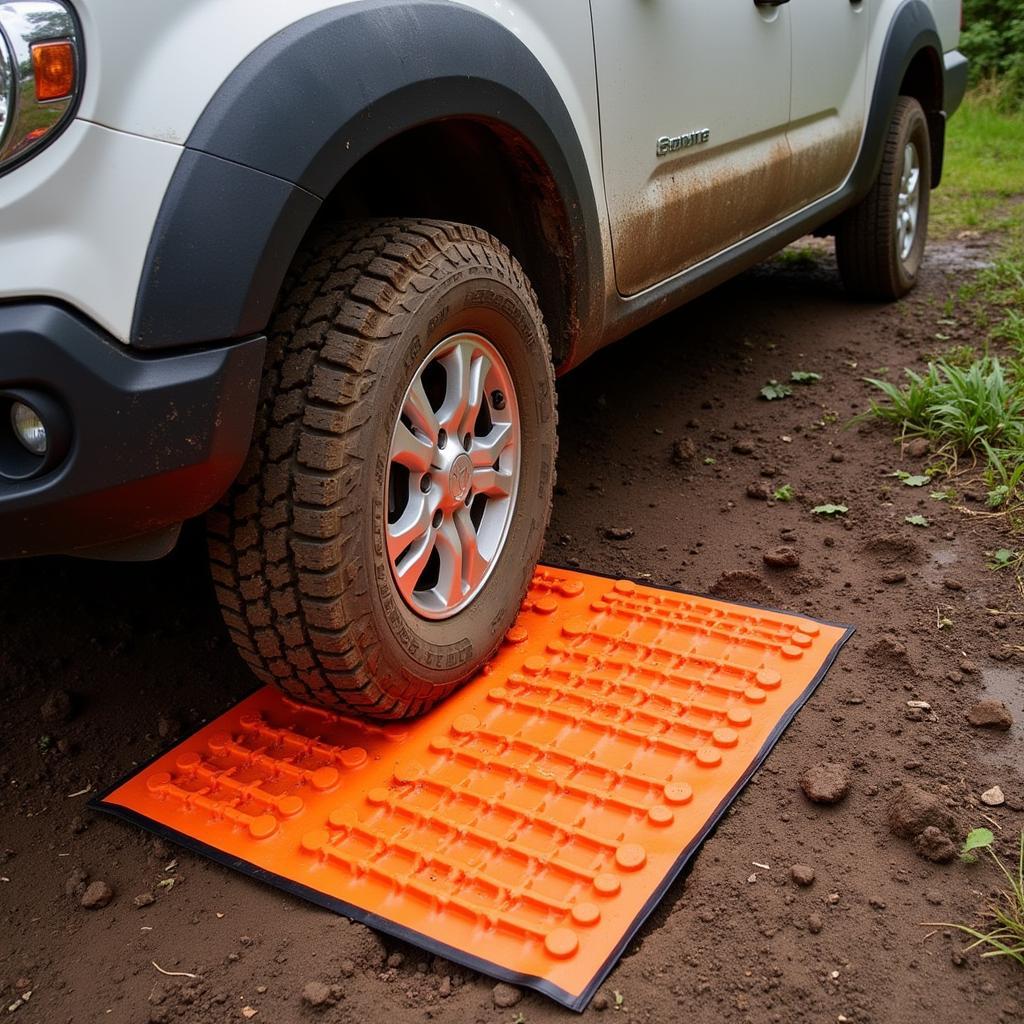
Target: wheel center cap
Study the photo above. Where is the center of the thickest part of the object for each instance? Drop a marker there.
(460, 476)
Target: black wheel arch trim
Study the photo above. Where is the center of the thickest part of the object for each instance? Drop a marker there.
(255, 171)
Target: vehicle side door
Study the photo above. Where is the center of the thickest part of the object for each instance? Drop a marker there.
(829, 98)
(694, 100)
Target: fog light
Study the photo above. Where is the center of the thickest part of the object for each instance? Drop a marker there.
(28, 428)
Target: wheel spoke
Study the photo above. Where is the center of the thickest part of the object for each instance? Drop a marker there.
(474, 565)
(410, 568)
(486, 449)
(417, 407)
(480, 367)
(411, 525)
(449, 574)
(410, 450)
(458, 368)
(495, 483)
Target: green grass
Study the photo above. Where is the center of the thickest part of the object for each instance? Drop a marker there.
(969, 402)
(1005, 934)
(983, 173)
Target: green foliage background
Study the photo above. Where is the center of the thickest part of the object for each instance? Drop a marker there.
(993, 40)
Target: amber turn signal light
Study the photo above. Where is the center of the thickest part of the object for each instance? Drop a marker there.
(54, 67)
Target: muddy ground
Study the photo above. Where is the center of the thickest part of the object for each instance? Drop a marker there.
(662, 436)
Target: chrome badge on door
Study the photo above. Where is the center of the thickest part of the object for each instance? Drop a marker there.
(670, 143)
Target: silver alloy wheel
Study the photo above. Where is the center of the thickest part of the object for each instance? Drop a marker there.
(908, 201)
(453, 475)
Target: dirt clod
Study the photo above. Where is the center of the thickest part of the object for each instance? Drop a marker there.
(144, 899)
(815, 923)
(317, 994)
(918, 448)
(600, 1002)
(935, 845)
(684, 451)
(825, 783)
(97, 895)
(912, 810)
(802, 874)
(58, 708)
(782, 558)
(759, 491)
(75, 883)
(990, 714)
(619, 532)
(740, 585)
(744, 446)
(505, 995)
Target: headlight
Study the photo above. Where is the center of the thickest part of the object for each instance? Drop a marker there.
(40, 74)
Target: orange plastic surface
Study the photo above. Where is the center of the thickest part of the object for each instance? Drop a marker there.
(527, 825)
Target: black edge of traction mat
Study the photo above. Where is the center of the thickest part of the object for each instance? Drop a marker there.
(577, 1003)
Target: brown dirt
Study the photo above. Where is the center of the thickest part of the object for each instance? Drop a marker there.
(103, 665)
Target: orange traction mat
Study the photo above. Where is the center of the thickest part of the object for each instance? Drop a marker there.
(527, 825)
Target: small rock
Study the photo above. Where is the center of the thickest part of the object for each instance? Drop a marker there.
(952, 584)
(396, 960)
(935, 846)
(599, 1002)
(347, 968)
(825, 783)
(505, 995)
(769, 471)
(744, 447)
(97, 895)
(684, 451)
(144, 899)
(894, 577)
(934, 897)
(759, 491)
(317, 994)
(990, 714)
(912, 810)
(814, 923)
(836, 457)
(58, 707)
(876, 903)
(969, 668)
(619, 532)
(802, 874)
(444, 990)
(918, 448)
(782, 558)
(993, 797)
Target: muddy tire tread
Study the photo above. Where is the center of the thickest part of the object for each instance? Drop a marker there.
(282, 542)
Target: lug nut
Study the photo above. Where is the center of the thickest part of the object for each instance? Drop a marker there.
(498, 399)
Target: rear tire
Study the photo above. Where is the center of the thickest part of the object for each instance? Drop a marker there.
(306, 579)
(877, 259)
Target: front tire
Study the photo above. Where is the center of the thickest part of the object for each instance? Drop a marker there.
(382, 534)
(880, 241)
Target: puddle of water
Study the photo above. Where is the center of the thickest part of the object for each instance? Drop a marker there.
(1007, 685)
(1002, 750)
(958, 256)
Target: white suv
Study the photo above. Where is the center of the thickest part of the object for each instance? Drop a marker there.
(313, 267)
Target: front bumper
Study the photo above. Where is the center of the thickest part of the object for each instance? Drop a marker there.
(153, 441)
